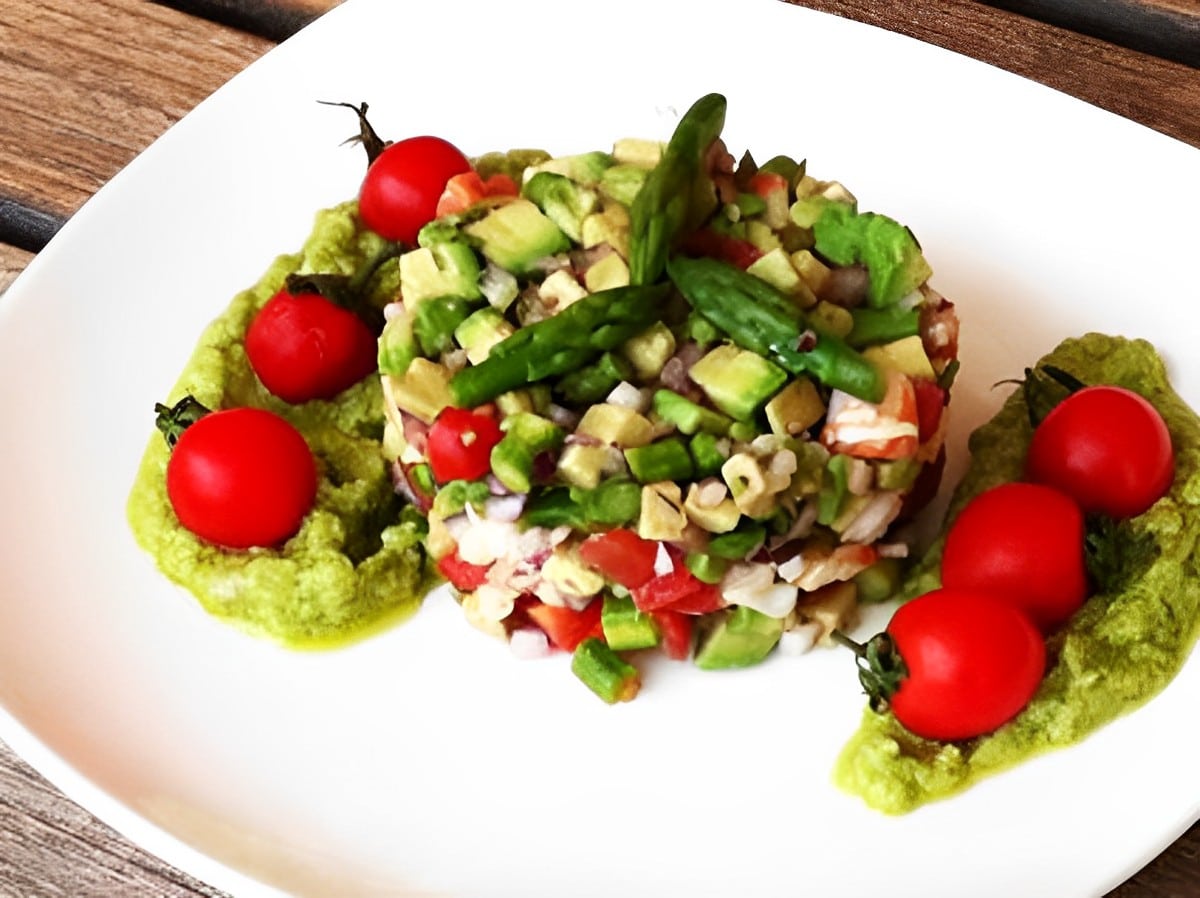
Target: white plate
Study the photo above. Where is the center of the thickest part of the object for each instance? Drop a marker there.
(427, 760)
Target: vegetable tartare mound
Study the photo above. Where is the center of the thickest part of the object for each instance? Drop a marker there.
(660, 397)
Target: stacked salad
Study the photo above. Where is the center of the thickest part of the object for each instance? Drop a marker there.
(661, 398)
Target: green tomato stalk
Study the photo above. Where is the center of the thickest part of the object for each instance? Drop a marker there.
(881, 669)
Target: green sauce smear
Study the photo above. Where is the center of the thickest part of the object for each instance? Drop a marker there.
(357, 564)
(1122, 648)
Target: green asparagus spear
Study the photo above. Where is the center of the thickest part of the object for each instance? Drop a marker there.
(662, 208)
(758, 317)
(562, 343)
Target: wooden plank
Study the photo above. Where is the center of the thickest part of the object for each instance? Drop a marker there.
(79, 98)
(12, 263)
(1166, 28)
(1157, 92)
(51, 846)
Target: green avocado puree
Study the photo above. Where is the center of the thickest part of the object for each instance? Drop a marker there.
(357, 563)
(1120, 649)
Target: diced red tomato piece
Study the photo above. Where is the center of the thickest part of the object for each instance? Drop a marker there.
(462, 575)
(702, 600)
(716, 245)
(620, 555)
(567, 627)
(931, 400)
(765, 183)
(665, 590)
(675, 628)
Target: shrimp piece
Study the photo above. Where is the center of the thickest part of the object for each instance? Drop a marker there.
(887, 430)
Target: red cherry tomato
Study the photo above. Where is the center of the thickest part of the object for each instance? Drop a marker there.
(400, 192)
(1024, 543)
(242, 477)
(1108, 448)
(303, 346)
(973, 662)
(460, 444)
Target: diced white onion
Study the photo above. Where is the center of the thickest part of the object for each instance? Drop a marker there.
(778, 600)
(528, 643)
(799, 640)
(627, 395)
(663, 563)
(504, 508)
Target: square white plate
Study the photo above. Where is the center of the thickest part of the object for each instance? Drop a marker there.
(427, 760)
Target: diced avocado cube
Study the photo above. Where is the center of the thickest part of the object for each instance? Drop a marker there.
(611, 226)
(762, 236)
(795, 408)
(898, 474)
(649, 350)
(607, 273)
(480, 331)
(422, 391)
(613, 502)
(565, 202)
(738, 544)
(906, 355)
(666, 459)
(880, 581)
(708, 453)
(583, 465)
(604, 671)
(616, 425)
(583, 168)
(626, 628)
(516, 235)
(746, 205)
(661, 516)
(741, 637)
(397, 345)
(687, 416)
(892, 255)
(705, 567)
(831, 318)
(512, 163)
(435, 320)
(635, 151)
(590, 384)
(737, 381)
(560, 290)
(719, 518)
(622, 182)
(526, 437)
(775, 267)
(812, 270)
(835, 490)
(455, 495)
(440, 269)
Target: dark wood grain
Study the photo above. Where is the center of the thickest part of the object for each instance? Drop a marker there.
(272, 19)
(84, 87)
(1166, 28)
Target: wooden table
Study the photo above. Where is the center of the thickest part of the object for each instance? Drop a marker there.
(81, 95)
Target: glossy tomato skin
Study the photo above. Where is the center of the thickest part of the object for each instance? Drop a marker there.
(242, 477)
(1024, 542)
(400, 192)
(303, 347)
(460, 444)
(1108, 448)
(973, 663)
